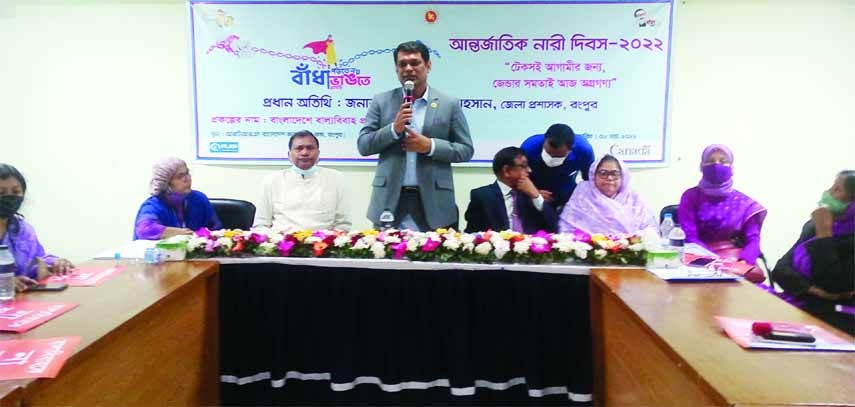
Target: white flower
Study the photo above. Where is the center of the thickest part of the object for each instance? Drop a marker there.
(496, 238)
(225, 242)
(311, 240)
(412, 245)
(361, 244)
(468, 247)
(467, 238)
(218, 233)
(391, 239)
(369, 240)
(636, 247)
(623, 243)
(275, 238)
(379, 250)
(563, 246)
(483, 248)
(600, 253)
(196, 242)
(341, 241)
(452, 244)
(523, 246)
(267, 247)
(563, 237)
(580, 253)
(581, 246)
(501, 248)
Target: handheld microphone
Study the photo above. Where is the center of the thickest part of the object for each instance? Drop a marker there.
(766, 331)
(408, 98)
(408, 91)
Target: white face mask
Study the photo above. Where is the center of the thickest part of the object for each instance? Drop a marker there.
(304, 173)
(551, 161)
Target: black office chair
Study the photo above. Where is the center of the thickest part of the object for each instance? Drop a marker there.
(234, 213)
(672, 209)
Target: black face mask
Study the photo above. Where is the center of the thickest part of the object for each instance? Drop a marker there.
(9, 205)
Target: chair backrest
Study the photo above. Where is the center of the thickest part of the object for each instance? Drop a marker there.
(234, 213)
(672, 209)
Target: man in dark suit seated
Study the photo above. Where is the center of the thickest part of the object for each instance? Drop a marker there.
(512, 202)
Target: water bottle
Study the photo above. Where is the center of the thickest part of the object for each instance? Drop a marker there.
(677, 239)
(152, 255)
(387, 219)
(7, 274)
(666, 226)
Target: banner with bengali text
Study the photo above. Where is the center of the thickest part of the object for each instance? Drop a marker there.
(264, 70)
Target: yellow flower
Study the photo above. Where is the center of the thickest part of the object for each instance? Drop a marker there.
(442, 231)
(231, 233)
(302, 235)
(507, 234)
(370, 232)
(603, 241)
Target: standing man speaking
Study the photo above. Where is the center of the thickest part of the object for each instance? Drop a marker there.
(418, 134)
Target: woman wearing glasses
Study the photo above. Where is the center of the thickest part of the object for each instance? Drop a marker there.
(173, 208)
(605, 204)
(715, 215)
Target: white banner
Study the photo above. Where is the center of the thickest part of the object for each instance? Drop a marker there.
(264, 70)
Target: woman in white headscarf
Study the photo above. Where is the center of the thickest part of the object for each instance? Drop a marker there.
(173, 208)
(605, 203)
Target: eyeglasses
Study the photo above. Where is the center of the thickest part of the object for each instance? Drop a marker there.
(182, 175)
(606, 174)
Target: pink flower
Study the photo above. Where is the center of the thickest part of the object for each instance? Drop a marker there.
(540, 248)
(285, 247)
(430, 245)
(258, 238)
(211, 245)
(544, 234)
(203, 232)
(581, 235)
(400, 249)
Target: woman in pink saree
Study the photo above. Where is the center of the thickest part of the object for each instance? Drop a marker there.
(605, 204)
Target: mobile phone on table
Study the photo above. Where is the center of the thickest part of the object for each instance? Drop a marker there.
(789, 336)
(47, 287)
(701, 261)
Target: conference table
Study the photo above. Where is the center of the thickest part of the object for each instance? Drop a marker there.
(299, 331)
(148, 337)
(658, 344)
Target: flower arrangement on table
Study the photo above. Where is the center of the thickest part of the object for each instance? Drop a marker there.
(442, 245)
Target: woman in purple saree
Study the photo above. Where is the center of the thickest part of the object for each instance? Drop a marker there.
(718, 217)
(818, 272)
(32, 262)
(605, 204)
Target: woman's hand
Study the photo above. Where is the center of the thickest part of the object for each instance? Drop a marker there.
(22, 282)
(755, 274)
(825, 295)
(170, 231)
(61, 267)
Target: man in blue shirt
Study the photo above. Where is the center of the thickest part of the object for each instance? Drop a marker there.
(555, 158)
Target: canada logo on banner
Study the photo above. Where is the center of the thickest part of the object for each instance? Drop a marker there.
(32, 358)
(21, 316)
(85, 276)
